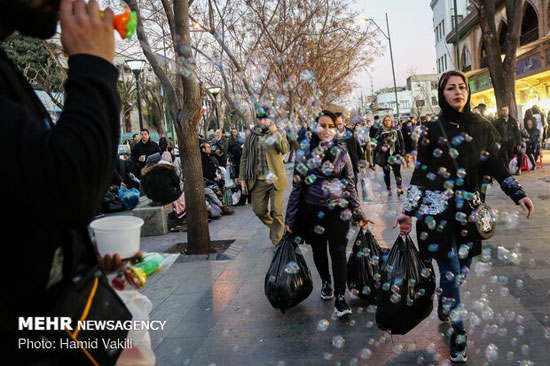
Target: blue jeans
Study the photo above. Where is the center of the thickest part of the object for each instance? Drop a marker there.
(450, 284)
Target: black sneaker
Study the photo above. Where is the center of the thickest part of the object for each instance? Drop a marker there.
(442, 313)
(340, 306)
(458, 347)
(327, 292)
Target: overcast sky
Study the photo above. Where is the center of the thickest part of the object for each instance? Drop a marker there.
(413, 41)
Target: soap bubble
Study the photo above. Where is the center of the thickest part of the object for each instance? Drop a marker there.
(327, 168)
(320, 214)
(310, 179)
(346, 214)
(366, 353)
(484, 155)
(491, 352)
(323, 325)
(437, 152)
(292, 268)
(454, 153)
(338, 341)
(270, 177)
(319, 230)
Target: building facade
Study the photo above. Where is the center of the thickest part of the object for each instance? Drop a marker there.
(444, 23)
(533, 55)
(423, 94)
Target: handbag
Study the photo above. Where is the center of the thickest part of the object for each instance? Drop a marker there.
(481, 221)
(88, 296)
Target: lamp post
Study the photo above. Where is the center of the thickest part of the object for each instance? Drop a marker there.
(136, 66)
(388, 37)
(457, 38)
(215, 90)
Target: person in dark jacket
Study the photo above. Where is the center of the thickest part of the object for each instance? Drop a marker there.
(144, 148)
(68, 165)
(531, 137)
(160, 180)
(219, 145)
(510, 138)
(210, 165)
(345, 138)
(163, 143)
(313, 210)
(457, 154)
(407, 130)
(389, 153)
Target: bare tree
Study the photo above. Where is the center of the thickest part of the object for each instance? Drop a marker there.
(502, 70)
(184, 101)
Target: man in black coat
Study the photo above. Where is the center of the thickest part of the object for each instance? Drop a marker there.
(67, 166)
(345, 138)
(210, 164)
(510, 138)
(144, 148)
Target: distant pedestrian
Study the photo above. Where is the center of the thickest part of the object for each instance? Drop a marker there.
(263, 173)
(143, 149)
(317, 217)
(389, 153)
(510, 138)
(345, 138)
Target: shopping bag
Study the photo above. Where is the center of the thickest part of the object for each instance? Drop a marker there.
(513, 165)
(366, 189)
(406, 294)
(363, 265)
(128, 197)
(288, 280)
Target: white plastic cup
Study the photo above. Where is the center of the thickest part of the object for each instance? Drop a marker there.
(117, 234)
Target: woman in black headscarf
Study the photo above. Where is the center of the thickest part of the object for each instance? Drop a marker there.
(457, 156)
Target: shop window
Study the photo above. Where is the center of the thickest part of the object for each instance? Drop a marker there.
(529, 26)
(466, 60)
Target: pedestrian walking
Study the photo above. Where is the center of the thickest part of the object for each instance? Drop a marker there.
(318, 209)
(345, 138)
(531, 137)
(457, 151)
(262, 172)
(407, 131)
(389, 153)
(510, 138)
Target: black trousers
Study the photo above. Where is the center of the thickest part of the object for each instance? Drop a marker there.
(396, 172)
(328, 230)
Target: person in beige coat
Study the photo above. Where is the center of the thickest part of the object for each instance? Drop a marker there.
(262, 172)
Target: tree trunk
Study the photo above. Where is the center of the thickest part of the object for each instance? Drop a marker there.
(184, 102)
(502, 72)
(188, 118)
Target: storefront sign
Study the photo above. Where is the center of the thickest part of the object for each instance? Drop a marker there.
(484, 82)
(529, 64)
(472, 84)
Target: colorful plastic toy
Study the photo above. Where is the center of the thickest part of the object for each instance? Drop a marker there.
(125, 23)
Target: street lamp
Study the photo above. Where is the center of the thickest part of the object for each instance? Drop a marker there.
(391, 57)
(215, 90)
(136, 66)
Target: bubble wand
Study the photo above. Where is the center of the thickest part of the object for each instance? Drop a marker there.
(125, 23)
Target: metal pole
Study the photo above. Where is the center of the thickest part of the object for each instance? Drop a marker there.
(457, 39)
(136, 73)
(393, 70)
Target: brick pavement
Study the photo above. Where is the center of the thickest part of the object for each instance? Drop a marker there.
(217, 313)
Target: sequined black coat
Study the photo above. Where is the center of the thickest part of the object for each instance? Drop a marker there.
(439, 188)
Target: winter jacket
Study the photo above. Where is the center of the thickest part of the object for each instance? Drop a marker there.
(310, 186)
(354, 150)
(392, 141)
(149, 148)
(161, 183)
(68, 169)
(437, 188)
(508, 130)
(209, 166)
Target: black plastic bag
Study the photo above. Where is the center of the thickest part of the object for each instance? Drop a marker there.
(288, 280)
(406, 294)
(111, 201)
(363, 264)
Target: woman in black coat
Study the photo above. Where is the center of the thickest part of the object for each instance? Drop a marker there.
(389, 152)
(322, 203)
(457, 156)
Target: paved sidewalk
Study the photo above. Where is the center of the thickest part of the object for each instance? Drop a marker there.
(218, 315)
